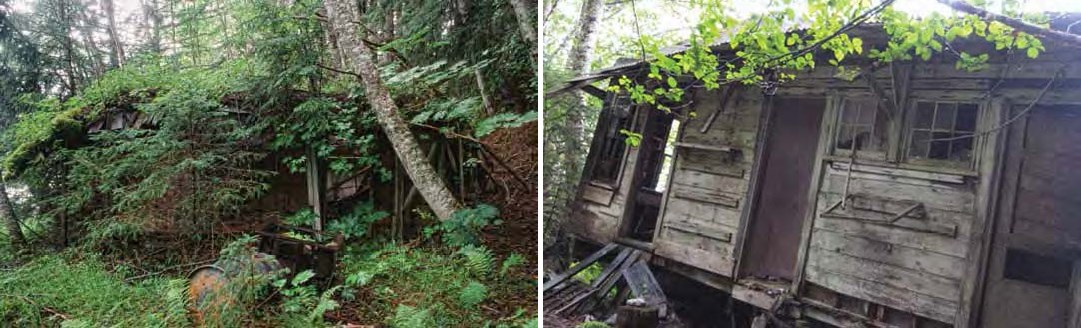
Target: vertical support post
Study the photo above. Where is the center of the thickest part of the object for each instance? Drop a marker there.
(396, 218)
(316, 181)
(765, 123)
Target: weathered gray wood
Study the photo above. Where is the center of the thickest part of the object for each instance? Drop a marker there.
(914, 225)
(989, 165)
(598, 195)
(611, 267)
(954, 247)
(717, 148)
(609, 282)
(589, 260)
(928, 306)
(766, 118)
(717, 260)
(707, 230)
(897, 277)
(644, 285)
(705, 195)
(883, 252)
(938, 197)
(690, 210)
(710, 181)
(900, 172)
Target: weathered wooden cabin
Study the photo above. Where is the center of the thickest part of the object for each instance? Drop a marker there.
(917, 195)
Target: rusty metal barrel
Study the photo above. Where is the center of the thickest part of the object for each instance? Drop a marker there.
(207, 284)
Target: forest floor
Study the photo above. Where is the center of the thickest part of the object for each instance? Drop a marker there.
(416, 283)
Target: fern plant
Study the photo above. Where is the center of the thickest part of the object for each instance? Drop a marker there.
(478, 259)
(406, 316)
(513, 260)
(465, 225)
(358, 222)
(472, 294)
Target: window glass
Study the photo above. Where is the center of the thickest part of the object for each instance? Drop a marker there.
(861, 127)
(609, 156)
(942, 131)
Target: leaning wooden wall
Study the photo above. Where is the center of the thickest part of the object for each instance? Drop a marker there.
(597, 211)
(707, 190)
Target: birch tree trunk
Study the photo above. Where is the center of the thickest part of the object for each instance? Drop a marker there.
(344, 18)
(117, 53)
(577, 62)
(525, 15)
(11, 224)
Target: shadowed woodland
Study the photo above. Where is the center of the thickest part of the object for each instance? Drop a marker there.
(155, 152)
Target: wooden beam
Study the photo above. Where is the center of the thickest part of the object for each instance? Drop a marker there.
(594, 91)
(589, 260)
(316, 182)
(720, 109)
(905, 212)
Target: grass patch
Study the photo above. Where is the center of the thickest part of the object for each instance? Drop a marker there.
(52, 291)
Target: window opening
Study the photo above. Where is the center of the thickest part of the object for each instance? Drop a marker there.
(942, 131)
(861, 127)
(609, 157)
(669, 158)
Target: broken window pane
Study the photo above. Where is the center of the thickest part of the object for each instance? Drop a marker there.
(925, 112)
(861, 127)
(940, 145)
(609, 157)
(942, 131)
(919, 144)
(944, 115)
(966, 117)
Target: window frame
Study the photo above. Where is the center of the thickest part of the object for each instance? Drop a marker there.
(908, 129)
(878, 155)
(899, 132)
(606, 118)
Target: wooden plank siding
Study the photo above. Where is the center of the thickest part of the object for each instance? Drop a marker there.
(915, 271)
(708, 187)
(597, 212)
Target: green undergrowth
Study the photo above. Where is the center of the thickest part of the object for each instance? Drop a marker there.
(437, 287)
(55, 291)
(383, 283)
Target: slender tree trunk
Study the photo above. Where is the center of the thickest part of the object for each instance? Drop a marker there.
(93, 52)
(116, 56)
(525, 14)
(344, 18)
(11, 223)
(69, 50)
(153, 17)
(578, 61)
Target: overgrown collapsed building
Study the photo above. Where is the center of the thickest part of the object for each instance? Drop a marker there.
(926, 196)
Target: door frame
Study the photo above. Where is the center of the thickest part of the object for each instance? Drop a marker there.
(767, 118)
(627, 215)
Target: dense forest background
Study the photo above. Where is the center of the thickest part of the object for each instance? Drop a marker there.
(142, 138)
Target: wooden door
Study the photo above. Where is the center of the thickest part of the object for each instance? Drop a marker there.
(773, 234)
(1032, 278)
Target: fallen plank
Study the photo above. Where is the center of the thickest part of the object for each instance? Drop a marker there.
(589, 260)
